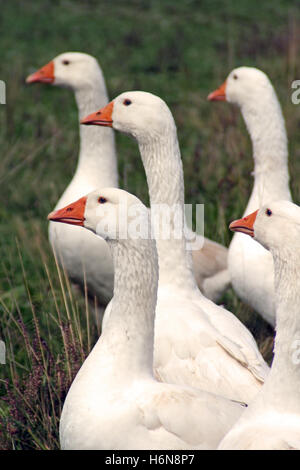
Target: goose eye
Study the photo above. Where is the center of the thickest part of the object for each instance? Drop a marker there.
(102, 200)
(268, 212)
(127, 102)
(235, 77)
(66, 62)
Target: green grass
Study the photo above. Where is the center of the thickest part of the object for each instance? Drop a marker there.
(179, 50)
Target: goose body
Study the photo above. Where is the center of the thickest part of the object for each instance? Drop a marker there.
(97, 167)
(114, 401)
(197, 343)
(272, 421)
(250, 265)
(86, 258)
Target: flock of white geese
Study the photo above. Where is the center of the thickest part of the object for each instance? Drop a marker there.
(172, 369)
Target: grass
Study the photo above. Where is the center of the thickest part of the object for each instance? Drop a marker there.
(179, 50)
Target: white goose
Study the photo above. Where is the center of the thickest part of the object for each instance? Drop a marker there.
(197, 343)
(97, 166)
(86, 258)
(114, 401)
(272, 420)
(250, 265)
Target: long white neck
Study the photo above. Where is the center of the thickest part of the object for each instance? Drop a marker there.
(282, 387)
(97, 164)
(266, 127)
(128, 336)
(163, 167)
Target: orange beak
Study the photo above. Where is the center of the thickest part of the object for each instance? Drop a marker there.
(219, 94)
(43, 75)
(72, 214)
(103, 117)
(244, 225)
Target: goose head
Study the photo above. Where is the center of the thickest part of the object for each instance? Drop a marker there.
(74, 70)
(136, 113)
(110, 213)
(276, 226)
(243, 86)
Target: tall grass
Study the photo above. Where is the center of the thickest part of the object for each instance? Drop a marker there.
(43, 356)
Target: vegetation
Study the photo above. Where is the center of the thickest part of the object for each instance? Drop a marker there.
(179, 50)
